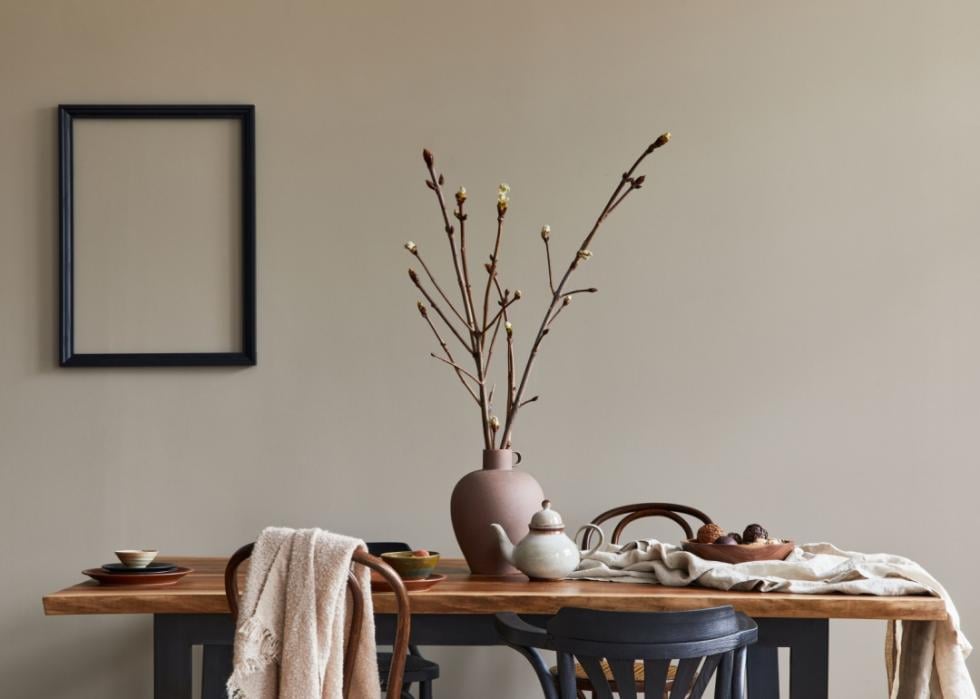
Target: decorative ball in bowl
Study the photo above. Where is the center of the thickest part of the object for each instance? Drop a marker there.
(136, 558)
(412, 565)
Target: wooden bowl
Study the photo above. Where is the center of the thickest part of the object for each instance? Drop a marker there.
(739, 553)
(409, 566)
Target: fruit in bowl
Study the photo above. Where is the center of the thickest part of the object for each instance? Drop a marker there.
(753, 544)
(412, 565)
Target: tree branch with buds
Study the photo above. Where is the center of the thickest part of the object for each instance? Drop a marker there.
(480, 333)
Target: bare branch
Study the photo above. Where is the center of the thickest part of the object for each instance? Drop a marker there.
(546, 237)
(428, 272)
(590, 290)
(628, 183)
(445, 348)
(413, 275)
(455, 366)
(504, 305)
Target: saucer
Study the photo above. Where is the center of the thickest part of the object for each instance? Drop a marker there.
(152, 568)
(379, 584)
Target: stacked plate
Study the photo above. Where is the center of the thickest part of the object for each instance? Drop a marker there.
(154, 574)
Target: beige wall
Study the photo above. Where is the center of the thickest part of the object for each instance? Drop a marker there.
(788, 329)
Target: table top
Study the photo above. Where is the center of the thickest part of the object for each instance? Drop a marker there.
(202, 592)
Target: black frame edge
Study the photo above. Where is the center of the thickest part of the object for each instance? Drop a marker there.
(245, 114)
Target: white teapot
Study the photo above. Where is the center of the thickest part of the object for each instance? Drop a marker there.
(546, 553)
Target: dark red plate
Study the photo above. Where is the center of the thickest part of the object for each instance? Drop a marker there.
(379, 584)
(144, 579)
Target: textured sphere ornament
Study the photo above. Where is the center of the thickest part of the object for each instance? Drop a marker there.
(753, 533)
(709, 532)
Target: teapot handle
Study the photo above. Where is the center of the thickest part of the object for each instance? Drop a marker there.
(602, 538)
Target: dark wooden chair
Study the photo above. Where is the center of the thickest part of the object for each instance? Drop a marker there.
(631, 513)
(393, 674)
(418, 670)
(631, 653)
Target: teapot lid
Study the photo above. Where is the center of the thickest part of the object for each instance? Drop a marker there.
(546, 519)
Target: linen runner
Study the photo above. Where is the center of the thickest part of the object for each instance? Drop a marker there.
(924, 659)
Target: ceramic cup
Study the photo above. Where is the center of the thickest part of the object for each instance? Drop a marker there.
(136, 558)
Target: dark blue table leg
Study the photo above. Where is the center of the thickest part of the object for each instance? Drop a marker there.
(808, 641)
(216, 670)
(763, 670)
(171, 656)
(173, 637)
(809, 661)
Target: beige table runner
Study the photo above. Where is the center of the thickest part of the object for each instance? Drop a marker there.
(925, 659)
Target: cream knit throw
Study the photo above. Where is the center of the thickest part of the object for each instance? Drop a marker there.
(293, 617)
(925, 659)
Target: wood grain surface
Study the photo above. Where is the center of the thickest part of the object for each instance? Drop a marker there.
(202, 592)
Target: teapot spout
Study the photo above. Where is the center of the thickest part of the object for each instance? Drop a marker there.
(506, 547)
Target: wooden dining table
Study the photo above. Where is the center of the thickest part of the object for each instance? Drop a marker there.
(460, 612)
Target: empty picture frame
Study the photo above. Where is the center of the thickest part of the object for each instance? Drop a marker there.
(157, 224)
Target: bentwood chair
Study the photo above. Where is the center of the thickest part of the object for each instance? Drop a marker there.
(631, 513)
(392, 675)
(418, 670)
(631, 653)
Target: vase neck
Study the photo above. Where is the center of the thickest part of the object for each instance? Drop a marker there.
(498, 459)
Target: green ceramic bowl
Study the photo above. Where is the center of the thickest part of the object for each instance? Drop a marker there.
(410, 567)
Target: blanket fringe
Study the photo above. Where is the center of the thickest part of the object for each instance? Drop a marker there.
(257, 647)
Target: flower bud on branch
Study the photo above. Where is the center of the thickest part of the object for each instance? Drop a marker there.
(661, 141)
(412, 247)
(503, 198)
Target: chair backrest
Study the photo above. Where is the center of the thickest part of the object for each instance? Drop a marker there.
(403, 627)
(376, 548)
(706, 643)
(631, 513)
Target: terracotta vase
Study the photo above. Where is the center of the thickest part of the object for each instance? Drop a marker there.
(497, 493)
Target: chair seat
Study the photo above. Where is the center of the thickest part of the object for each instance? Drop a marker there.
(582, 679)
(417, 669)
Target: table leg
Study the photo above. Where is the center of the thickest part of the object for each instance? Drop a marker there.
(809, 662)
(173, 637)
(763, 670)
(171, 657)
(217, 664)
(808, 641)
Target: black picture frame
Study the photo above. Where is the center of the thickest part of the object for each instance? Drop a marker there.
(245, 114)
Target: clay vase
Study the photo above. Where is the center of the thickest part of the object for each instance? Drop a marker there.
(496, 493)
